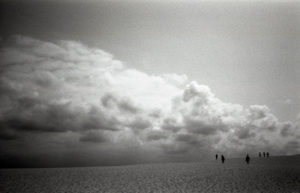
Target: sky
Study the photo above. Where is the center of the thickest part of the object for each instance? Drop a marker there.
(119, 82)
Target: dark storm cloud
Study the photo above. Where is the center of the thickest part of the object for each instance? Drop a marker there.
(96, 119)
(187, 138)
(93, 137)
(30, 116)
(83, 94)
(33, 114)
(32, 88)
(156, 135)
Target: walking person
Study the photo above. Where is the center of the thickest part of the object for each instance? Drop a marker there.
(216, 156)
(268, 154)
(223, 159)
(264, 154)
(259, 154)
(247, 159)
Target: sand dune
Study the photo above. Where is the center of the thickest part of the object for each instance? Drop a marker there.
(275, 174)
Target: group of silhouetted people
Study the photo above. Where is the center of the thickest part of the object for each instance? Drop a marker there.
(247, 159)
(265, 154)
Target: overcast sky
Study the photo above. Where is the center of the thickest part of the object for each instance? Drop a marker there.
(107, 82)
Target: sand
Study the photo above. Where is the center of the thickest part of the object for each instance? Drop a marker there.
(279, 174)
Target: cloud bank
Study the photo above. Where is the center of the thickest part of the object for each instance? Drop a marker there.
(66, 95)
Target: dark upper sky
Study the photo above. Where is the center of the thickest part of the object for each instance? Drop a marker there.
(99, 82)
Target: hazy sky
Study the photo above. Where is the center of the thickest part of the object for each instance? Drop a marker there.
(106, 80)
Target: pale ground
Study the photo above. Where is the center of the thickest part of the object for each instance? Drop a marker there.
(273, 175)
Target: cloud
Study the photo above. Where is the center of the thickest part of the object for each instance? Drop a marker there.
(187, 138)
(202, 127)
(156, 135)
(287, 129)
(94, 137)
(244, 133)
(139, 124)
(171, 124)
(65, 87)
(125, 105)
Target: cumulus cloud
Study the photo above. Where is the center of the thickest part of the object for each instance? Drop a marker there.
(67, 87)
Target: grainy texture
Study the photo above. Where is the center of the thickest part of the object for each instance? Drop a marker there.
(233, 176)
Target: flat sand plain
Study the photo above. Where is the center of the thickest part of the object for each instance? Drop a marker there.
(275, 174)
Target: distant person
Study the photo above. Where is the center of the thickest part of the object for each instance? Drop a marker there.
(264, 154)
(223, 159)
(268, 154)
(216, 156)
(247, 159)
(259, 154)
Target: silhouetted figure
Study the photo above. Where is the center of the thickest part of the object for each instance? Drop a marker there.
(259, 154)
(216, 156)
(268, 154)
(264, 154)
(223, 159)
(247, 159)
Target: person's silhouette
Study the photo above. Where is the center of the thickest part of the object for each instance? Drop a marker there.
(247, 159)
(223, 159)
(216, 156)
(268, 154)
(259, 154)
(264, 154)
